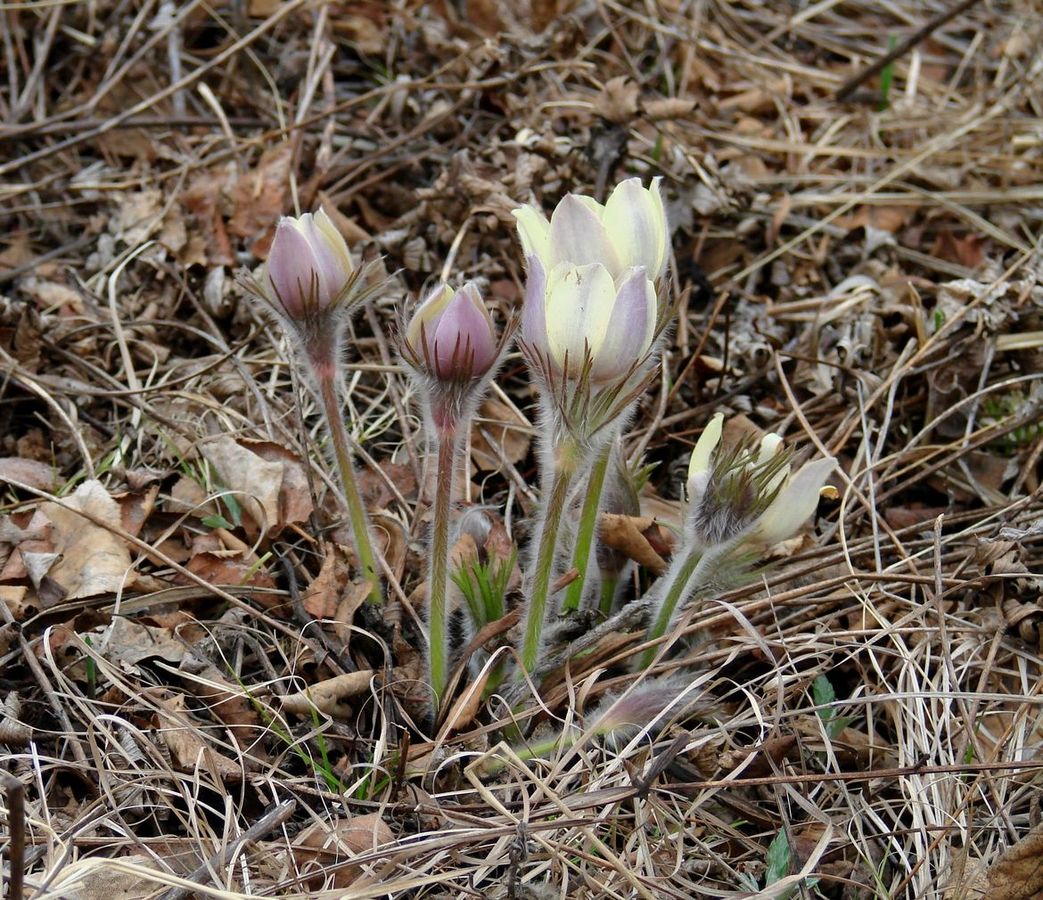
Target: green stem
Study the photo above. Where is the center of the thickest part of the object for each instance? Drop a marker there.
(680, 578)
(438, 653)
(588, 523)
(550, 523)
(326, 378)
(608, 593)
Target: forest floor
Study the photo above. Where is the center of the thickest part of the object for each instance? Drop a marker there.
(194, 696)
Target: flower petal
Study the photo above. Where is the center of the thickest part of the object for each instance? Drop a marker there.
(534, 232)
(628, 331)
(635, 222)
(426, 317)
(575, 296)
(464, 343)
(291, 267)
(333, 241)
(794, 503)
(534, 308)
(577, 236)
(702, 453)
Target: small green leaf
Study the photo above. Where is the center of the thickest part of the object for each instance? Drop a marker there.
(777, 862)
(216, 521)
(822, 691)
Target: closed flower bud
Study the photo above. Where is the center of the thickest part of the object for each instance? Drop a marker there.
(451, 335)
(309, 266)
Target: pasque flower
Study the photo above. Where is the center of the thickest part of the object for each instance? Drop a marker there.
(749, 494)
(309, 266)
(575, 314)
(590, 295)
(627, 232)
(451, 335)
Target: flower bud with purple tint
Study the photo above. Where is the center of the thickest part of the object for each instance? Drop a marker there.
(451, 335)
(309, 265)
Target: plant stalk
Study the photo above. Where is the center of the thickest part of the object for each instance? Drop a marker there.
(550, 524)
(588, 523)
(438, 579)
(693, 568)
(325, 376)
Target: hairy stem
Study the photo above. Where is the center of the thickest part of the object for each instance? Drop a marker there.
(683, 580)
(588, 522)
(549, 525)
(325, 375)
(608, 594)
(438, 636)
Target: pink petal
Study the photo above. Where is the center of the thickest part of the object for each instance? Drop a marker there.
(464, 345)
(630, 329)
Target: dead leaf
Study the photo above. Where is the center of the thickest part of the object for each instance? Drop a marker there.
(882, 218)
(230, 568)
(259, 196)
(617, 101)
(326, 844)
(326, 696)
(630, 536)
(138, 216)
(332, 596)
(499, 434)
(374, 487)
(29, 472)
(269, 481)
(1018, 873)
(93, 559)
(100, 879)
(127, 642)
(966, 250)
(189, 751)
(202, 200)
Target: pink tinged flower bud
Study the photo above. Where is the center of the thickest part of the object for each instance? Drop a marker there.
(308, 265)
(577, 312)
(453, 335)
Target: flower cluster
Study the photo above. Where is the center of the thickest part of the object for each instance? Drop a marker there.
(590, 329)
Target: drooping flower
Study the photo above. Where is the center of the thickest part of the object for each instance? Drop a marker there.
(451, 335)
(309, 266)
(747, 494)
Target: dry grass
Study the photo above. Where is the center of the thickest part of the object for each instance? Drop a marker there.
(866, 280)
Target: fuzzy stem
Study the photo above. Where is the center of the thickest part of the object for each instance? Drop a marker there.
(438, 653)
(608, 593)
(692, 567)
(550, 523)
(587, 526)
(325, 376)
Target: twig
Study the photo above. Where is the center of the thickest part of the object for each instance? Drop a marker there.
(849, 86)
(263, 826)
(16, 830)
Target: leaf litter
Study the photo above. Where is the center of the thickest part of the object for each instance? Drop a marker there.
(183, 645)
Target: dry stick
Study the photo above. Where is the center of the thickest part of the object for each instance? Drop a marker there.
(263, 826)
(16, 830)
(849, 86)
